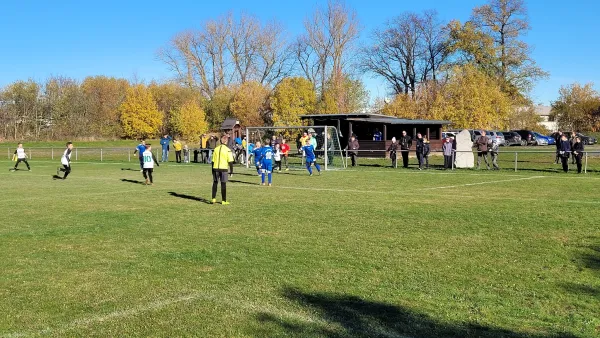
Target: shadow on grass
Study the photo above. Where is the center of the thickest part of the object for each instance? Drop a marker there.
(56, 177)
(351, 316)
(132, 181)
(243, 182)
(130, 169)
(189, 197)
(588, 259)
(245, 174)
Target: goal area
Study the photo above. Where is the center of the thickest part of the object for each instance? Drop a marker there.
(325, 138)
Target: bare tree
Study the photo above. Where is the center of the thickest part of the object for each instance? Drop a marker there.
(228, 51)
(330, 35)
(409, 50)
(506, 22)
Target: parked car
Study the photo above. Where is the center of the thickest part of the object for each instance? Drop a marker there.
(448, 134)
(511, 138)
(587, 140)
(498, 135)
(540, 137)
(530, 138)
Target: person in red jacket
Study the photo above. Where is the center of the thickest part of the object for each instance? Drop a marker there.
(285, 150)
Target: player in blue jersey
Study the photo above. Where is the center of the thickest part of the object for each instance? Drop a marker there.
(257, 154)
(309, 151)
(267, 163)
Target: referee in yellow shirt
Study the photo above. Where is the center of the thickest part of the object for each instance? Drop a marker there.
(222, 160)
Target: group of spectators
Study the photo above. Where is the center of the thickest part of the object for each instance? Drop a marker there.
(180, 149)
(568, 147)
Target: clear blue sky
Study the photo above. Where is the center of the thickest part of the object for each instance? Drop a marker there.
(120, 38)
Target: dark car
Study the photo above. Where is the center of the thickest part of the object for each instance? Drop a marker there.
(512, 138)
(531, 138)
(587, 140)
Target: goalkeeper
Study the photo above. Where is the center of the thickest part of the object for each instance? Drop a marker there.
(20, 156)
(222, 158)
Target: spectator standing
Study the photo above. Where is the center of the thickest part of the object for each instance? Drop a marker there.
(204, 158)
(277, 154)
(578, 150)
(186, 154)
(564, 152)
(557, 138)
(211, 144)
(405, 144)
(572, 141)
(178, 147)
(494, 149)
(419, 150)
(164, 142)
(447, 148)
(353, 147)
(393, 149)
(377, 135)
(285, 151)
(482, 149)
(426, 151)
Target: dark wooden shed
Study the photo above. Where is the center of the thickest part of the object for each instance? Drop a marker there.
(364, 127)
(233, 126)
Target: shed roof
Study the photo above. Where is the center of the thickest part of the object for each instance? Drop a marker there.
(229, 123)
(372, 118)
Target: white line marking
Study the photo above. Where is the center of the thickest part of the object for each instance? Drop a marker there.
(158, 305)
(482, 183)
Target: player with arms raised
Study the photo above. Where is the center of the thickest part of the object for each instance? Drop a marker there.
(20, 156)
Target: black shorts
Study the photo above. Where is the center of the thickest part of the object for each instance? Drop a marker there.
(220, 176)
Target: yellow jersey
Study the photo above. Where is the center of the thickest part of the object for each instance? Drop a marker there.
(221, 157)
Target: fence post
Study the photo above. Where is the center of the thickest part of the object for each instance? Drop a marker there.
(53, 154)
(76, 155)
(516, 159)
(129, 153)
(30, 153)
(326, 154)
(453, 158)
(586, 161)
(100, 154)
(8, 153)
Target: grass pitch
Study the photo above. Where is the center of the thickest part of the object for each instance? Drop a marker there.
(370, 252)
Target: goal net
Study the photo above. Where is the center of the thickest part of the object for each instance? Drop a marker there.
(325, 139)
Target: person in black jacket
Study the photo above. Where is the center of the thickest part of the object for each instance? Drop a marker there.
(419, 150)
(565, 152)
(557, 138)
(405, 144)
(578, 150)
(426, 151)
(393, 148)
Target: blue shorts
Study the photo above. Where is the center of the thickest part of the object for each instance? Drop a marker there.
(311, 160)
(267, 167)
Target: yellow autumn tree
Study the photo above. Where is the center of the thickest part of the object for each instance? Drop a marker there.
(188, 121)
(292, 98)
(139, 115)
(472, 99)
(250, 103)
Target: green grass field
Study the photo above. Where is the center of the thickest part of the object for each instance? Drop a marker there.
(367, 252)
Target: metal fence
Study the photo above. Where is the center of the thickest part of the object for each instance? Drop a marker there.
(85, 154)
(534, 160)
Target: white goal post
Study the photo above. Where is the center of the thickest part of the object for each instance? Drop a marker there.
(328, 148)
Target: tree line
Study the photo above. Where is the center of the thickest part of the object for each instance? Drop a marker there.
(477, 74)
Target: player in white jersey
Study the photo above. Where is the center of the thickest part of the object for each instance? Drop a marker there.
(20, 156)
(65, 160)
(149, 160)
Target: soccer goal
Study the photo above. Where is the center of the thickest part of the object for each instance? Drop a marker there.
(328, 148)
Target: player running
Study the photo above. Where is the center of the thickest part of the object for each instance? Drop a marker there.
(267, 163)
(311, 159)
(65, 160)
(149, 161)
(20, 156)
(140, 151)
